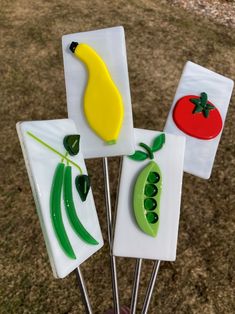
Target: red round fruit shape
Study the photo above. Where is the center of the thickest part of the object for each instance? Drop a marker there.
(197, 117)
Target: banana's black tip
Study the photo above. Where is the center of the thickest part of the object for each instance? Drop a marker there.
(73, 46)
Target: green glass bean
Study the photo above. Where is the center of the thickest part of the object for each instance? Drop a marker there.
(71, 211)
(56, 216)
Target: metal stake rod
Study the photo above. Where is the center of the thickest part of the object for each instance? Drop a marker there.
(151, 287)
(109, 224)
(136, 285)
(83, 290)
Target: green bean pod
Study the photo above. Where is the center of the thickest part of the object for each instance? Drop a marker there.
(56, 215)
(71, 211)
(146, 198)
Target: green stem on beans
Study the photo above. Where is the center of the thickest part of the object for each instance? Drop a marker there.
(54, 151)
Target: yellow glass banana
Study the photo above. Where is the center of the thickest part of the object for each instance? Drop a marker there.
(103, 105)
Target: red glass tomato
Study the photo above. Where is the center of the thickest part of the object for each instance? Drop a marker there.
(204, 125)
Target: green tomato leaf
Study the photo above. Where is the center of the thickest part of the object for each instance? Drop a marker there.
(208, 106)
(71, 144)
(195, 101)
(203, 99)
(197, 109)
(158, 142)
(206, 112)
(138, 155)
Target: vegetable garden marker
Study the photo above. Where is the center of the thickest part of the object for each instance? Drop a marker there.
(198, 112)
(152, 173)
(66, 211)
(149, 198)
(98, 100)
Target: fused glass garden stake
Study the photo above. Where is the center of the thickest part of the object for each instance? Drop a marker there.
(198, 112)
(152, 172)
(148, 204)
(99, 102)
(53, 146)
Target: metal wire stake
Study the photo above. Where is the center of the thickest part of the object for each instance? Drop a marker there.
(109, 224)
(136, 285)
(83, 290)
(150, 287)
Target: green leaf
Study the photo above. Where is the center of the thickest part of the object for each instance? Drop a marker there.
(206, 112)
(208, 106)
(203, 99)
(139, 155)
(195, 101)
(82, 183)
(197, 109)
(158, 142)
(71, 144)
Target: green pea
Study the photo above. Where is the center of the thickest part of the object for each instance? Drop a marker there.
(150, 190)
(153, 177)
(152, 217)
(150, 203)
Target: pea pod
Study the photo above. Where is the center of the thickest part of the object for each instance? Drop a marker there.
(55, 208)
(146, 198)
(71, 211)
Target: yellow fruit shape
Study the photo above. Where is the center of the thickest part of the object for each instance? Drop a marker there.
(103, 104)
